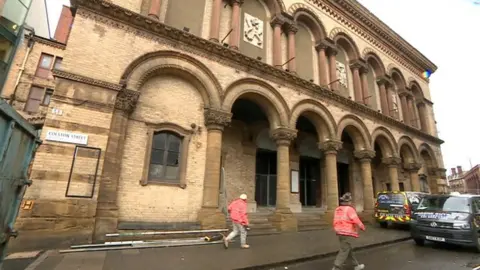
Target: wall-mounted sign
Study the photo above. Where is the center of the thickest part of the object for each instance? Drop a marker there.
(295, 183)
(66, 137)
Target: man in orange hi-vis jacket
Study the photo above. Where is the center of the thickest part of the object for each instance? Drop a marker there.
(345, 223)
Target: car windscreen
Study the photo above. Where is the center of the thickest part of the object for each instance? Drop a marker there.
(445, 204)
(386, 199)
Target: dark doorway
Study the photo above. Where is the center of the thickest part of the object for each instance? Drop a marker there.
(343, 178)
(402, 186)
(310, 190)
(266, 178)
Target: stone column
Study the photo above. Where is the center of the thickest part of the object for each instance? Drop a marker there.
(154, 9)
(215, 21)
(432, 180)
(234, 40)
(333, 68)
(330, 150)
(391, 112)
(365, 158)
(106, 217)
(322, 63)
(210, 215)
(412, 169)
(422, 113)
(277, 23)
(383, 95)
(412, 111)
(365, 90)
(292, 30)
(357, 84)
(405, 110)
(393, 163)
(283, 218)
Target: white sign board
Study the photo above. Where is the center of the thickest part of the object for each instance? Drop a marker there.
(295, 185)
(66, 137)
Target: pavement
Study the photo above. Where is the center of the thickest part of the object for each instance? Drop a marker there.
(266, 252)
(403, 256)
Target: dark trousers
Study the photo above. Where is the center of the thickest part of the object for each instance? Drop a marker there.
(345, 252)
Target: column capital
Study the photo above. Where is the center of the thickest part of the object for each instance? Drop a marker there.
(327, 44)
(283, 136)
(127, 100)
(359, 64)
(385, 80)
(392, 161)
(278, 20)
(330, 147)
(238, 2)
(412, 167)
(364, 155)
(216, 119)
(291, 27)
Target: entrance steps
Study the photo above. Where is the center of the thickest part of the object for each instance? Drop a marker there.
(311, 220)
(259, 224)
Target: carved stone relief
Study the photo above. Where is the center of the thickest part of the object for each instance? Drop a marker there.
(342, 74)
(253, 30)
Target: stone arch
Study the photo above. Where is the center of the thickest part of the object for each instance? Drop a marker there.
(275, 6)
(386, 141)
(303, 13)
(415, 88)
(427, 149)
(373, 60)
(343, 39)
(318, 115)
(266, 96)
(356, 129)
(179, 64)
(411, 152)
(397, 76)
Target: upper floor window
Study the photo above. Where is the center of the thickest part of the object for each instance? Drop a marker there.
(47, 97)
(44, 65)
(58, 62)
(35, 98)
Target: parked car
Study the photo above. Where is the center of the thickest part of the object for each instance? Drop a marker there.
(452, 218)
(395, 207)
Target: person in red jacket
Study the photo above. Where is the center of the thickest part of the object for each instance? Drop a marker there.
(238, 215)
(345, 223)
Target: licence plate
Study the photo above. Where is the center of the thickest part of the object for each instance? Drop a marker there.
(434, 238)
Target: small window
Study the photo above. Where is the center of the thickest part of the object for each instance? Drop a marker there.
(35, 98)
(165, 156)
(44, 65)
(402, 186)
(58, 63)
(388, 187)
(47, 97)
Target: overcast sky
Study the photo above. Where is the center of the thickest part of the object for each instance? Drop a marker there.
(446, 32)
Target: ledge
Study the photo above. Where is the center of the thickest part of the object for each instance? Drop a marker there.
(179, 39)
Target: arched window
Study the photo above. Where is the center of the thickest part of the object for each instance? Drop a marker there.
(166, 156)
(164, 159)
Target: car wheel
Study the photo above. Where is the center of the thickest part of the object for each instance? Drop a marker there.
(477, 246)
(383, 225)
(419, 242)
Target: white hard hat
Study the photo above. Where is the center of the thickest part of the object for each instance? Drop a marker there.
(243, 196)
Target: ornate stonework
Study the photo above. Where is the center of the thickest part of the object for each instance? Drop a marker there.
(392, 161)
(330, 147)
(412, 167)
(114, 16)
(384, 80)
(80, 78)
(126, 100)
(253, 30)
(364, 155)
(283, 135)
(217, 119)
(342, 74)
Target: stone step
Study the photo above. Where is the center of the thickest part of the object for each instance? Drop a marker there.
(311, 228)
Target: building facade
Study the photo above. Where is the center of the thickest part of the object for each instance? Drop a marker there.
(456, 180)
(472, 180)
(162, 115)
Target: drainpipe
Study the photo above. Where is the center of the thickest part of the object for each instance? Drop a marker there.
(30, 44)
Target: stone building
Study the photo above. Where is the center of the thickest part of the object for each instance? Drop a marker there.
(169, 113)
(472, 180)
(456, 180)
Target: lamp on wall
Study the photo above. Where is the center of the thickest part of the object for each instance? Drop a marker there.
(228, 34)
(286, 62)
